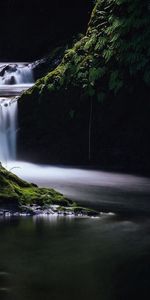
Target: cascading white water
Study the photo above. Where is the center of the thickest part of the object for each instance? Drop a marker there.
(8, 129)
(16, 74)
(14, 79)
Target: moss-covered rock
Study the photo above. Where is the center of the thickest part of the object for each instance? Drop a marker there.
(16, 189)
(17, 195)
(114, 49)
(45, 65)
(93, 106)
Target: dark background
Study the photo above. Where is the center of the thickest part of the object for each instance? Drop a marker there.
(29, 29)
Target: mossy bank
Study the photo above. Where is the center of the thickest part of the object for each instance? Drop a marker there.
(20, 197)
(94, 107)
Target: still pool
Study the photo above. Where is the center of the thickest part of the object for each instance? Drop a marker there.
(43, 258)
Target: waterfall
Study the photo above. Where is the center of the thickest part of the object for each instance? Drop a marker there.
(14, 79)
(8, 129)
(16, 74)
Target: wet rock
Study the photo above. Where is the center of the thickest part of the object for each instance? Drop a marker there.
(10, 81)
(7, 68)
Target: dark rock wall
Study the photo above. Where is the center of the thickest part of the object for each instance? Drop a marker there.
(57, 130)
(108, 67)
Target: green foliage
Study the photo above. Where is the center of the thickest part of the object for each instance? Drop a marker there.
(90, 43)
(113, 54)
(115, 83)
(96, 73)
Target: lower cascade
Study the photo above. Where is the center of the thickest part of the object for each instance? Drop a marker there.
(8, 129)
(14, 79)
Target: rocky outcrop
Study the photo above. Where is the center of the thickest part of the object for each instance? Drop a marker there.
(42, 67)
(94, 108)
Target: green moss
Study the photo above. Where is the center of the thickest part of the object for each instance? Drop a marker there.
(12, 187)
(114, 51)
(24, 195)
(98, 78)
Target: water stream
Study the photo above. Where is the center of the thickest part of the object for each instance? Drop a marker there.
(8, 128)
(14, 79)
(15, 73)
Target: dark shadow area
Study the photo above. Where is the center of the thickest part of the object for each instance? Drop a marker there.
(29, 29)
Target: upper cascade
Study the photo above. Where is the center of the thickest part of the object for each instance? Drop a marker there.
(16, 73)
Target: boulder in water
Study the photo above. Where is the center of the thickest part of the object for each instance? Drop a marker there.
(7, 68)
(10, 81)
(2, 70)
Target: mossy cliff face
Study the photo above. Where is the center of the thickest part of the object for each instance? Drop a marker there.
(96, 101)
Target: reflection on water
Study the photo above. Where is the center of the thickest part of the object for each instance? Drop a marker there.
(73, 258)
(106, 258)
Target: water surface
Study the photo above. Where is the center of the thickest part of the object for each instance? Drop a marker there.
(106, 191)
(68, 258)
(104, 258)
